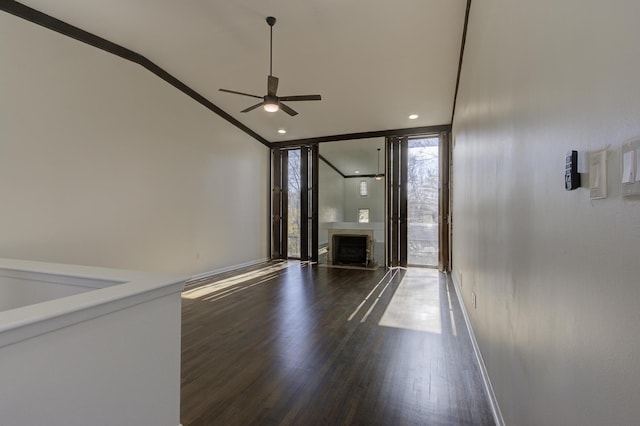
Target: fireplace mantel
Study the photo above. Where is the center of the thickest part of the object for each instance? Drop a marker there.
(368, 233)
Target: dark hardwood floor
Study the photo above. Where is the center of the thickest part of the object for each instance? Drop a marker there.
(299, 345)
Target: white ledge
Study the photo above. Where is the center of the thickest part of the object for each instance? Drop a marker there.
(110, 290)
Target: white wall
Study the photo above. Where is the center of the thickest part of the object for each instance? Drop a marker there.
(102, 163)
(330, 199)
(353, 201)
(556, 275)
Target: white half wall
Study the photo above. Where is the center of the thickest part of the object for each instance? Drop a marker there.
(102, 163)
(556, 274)
(107, 356)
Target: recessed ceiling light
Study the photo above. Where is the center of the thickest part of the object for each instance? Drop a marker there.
(357, 171)
(413, 116)
(282, 131)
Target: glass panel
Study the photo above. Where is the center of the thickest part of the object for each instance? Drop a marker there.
(364, 190)
(363, 215)
(293, 227)
(422, 193)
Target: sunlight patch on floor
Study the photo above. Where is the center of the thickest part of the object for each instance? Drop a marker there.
(218, 286)
(416, 303)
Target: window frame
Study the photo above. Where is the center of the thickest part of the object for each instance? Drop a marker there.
(363, 189)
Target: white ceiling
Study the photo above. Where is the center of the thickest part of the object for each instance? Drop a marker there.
(374, 62)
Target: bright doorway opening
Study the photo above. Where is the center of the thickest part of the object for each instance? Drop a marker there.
(293, 205)
(423, 181)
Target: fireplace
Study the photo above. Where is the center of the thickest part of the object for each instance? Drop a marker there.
(350, 247)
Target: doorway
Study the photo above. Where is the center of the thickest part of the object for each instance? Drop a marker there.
(418, 201)
(352, 198)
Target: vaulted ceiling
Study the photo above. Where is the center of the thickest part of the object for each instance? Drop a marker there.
(374, 62)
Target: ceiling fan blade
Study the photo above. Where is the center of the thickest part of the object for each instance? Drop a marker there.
(288, 109)
(240, 93)
(252, 107)
(301, 98)
(272, 85)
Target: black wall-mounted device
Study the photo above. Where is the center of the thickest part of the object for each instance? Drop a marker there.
(571, 175)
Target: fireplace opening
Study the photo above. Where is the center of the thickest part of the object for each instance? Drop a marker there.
(350, 250)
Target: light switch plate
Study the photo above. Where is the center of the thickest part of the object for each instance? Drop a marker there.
(630, 168)
(598, 174)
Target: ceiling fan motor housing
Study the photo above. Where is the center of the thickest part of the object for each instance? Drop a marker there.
(271, 99)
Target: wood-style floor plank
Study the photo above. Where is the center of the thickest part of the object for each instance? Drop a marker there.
(278, 348)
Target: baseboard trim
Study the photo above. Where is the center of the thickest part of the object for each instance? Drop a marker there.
(493, 401)
(227, 269)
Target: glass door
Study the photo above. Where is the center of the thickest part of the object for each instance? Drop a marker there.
(294, 201)
(423, 183)
(293, 205)
(417, 208)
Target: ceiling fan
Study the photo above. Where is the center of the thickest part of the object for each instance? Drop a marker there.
(271, 102)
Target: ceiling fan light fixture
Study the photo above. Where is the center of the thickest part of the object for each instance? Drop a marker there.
(271, 107)
(271, 103)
